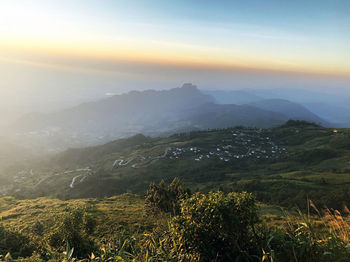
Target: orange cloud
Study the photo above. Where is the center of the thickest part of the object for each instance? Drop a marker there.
(71, 56)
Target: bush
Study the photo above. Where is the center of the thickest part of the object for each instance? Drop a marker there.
(14, 243)
(217, 226)
(38, 228)
(74, 230)
(164, 198)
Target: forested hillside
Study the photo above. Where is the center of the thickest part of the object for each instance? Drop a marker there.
(282, 165)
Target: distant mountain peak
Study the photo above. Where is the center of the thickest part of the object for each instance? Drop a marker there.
(189, 86)
(186, 88)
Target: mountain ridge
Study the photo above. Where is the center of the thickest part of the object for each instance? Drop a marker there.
(152, 113)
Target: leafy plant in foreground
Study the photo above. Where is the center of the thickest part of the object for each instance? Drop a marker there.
(75, 230)
(217, 227)
(165, 198)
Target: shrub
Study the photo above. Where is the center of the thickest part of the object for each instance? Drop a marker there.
(164, 198)
(217, 226)
(74, 229)
(38, 228)
(14, 243)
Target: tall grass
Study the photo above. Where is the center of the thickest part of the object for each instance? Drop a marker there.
(314, 236)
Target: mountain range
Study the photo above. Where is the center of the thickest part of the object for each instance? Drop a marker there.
(332, 107)
(154, 113)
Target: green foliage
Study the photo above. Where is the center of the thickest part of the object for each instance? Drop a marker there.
(165, 198)
(39, 228)
(74, 230)
(14, 243)
(299, 123)
(89, 154)
(305, 238)
(312, 153)
(217, 226)
(315, 155)
(209, 227)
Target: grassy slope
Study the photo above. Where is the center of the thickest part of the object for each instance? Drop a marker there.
(317, 165)
(118, 215)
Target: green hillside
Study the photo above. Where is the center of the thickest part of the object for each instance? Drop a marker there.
(122, 228)
(118, 214)
(282, 165)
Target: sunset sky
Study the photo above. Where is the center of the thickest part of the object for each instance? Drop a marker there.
(114, 44)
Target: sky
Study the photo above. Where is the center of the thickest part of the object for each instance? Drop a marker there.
(72, 50)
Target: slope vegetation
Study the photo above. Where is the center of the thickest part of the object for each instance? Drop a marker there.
(280, 165)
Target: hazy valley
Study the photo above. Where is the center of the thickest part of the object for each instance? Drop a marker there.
(106, 177)
(161, 113)
(174, 131)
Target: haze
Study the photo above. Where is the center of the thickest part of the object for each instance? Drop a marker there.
(184, 130)
(60, 53)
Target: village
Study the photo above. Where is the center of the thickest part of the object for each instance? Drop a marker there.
(233, 145)
(240, 144)
(247, 143)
